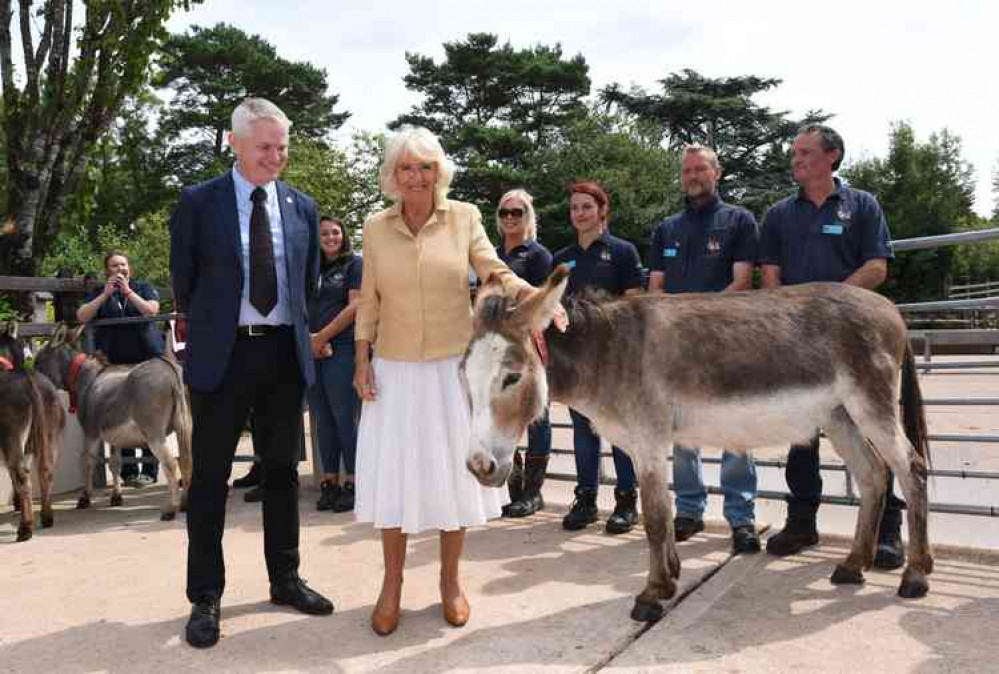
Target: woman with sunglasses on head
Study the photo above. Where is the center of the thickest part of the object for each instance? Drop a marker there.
(517, 223)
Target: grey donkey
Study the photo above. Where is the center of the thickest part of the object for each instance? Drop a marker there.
(125, 406)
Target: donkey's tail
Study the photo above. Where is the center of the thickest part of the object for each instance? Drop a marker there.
(913, 411)
(182, 423)
(38, 437)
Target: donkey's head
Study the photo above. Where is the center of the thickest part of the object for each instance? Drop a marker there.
(504, 376)
(54, 358)
(11, 348)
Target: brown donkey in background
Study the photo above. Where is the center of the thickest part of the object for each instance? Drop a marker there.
(740, 370)
(31, 422)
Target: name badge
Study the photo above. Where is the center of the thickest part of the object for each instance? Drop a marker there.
(571, 264)
(669, 252)
(835, 228)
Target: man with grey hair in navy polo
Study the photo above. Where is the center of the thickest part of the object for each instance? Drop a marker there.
(825, 232)
(710, 246)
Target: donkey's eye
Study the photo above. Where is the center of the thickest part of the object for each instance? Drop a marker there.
(511, 379)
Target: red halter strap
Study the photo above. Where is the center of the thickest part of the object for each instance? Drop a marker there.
(74, 374)
(540, 346)
(6, 364)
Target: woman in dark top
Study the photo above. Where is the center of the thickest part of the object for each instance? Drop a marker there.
(334, 403)
(517, 222)
(125, 297)
(605, 263)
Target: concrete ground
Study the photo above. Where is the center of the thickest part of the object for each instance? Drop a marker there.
(102, 591)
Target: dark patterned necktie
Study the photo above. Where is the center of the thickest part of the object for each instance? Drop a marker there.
(263, 278)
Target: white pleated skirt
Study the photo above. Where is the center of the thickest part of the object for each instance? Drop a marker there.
(411, 450)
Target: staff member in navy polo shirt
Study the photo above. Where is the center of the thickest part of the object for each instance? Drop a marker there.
(709, 247)
(825, 232)
(602, 262)
(520, 250)
(125, 297)
(332, 398)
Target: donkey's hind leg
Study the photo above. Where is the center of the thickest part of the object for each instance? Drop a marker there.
(168, 464)
(89, 456)
(20, 477)
(114, 463)
(911, 471)
(871, 475)
(664, 562)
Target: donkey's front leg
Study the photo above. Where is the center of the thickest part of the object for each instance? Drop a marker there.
(664, 563)
(90, 447)
(114, 463)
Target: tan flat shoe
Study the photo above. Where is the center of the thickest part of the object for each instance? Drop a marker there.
(457, 611)
(384, 620)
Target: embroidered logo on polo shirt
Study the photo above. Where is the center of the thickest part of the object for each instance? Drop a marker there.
(713, 247)
(844, 214)
(605, 255)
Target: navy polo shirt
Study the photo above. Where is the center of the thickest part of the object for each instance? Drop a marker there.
(336, 280)
(133, 342)
(826, 243)
(695, 249)
(530, 261)
(609, 264)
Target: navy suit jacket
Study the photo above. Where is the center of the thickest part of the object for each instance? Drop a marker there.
(206, 271)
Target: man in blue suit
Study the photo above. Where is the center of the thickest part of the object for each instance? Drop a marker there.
(244, 257)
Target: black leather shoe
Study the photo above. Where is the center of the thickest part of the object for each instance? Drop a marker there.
(344, 501)
(685, 526)
(202, 629)
(328, 493)
(583, 510)
(254, 495)
(744, 540)
(251, 479)
(295, 593)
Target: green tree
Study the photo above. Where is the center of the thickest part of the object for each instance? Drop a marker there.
(209, 71)
(70, 80)
(925, 189)
(752, 141)
(494, 106)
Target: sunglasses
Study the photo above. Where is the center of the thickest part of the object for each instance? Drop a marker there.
(515, 212)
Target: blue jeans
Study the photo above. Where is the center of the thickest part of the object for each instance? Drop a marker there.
(586, 446)
(738, 482)
(539, 436)
(336, 410)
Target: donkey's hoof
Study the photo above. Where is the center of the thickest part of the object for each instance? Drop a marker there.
(168, 516)
(844, 575)
(47, 520)
(914, 585)
(116, 500)
(645, 612)
(83, 503)
(23, 533)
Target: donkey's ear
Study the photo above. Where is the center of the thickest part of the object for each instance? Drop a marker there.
(58, 336)
(537, 311)
(490, 288)
(73, 336)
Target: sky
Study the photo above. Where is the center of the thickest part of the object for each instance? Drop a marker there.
(932, 64)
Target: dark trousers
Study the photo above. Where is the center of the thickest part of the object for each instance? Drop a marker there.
(336, 410)
(539, 436)
(150, 466)
(262, 375)
(586, 447)
(804, 480)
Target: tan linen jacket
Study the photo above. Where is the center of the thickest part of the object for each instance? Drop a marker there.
(414, 303)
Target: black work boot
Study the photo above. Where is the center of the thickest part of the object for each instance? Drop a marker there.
(685, 526)
(583, 511)
(515, 483)
(344, 501)
(625, 515)
(799, 532)
(327, 495)
(530, 501)
(891, 551)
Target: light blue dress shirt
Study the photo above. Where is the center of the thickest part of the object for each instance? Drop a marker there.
(281, 313)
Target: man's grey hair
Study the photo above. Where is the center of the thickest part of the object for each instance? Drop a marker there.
(828, 138)
(707, 152)
(422, 144)
(530, 217)
(254, 109)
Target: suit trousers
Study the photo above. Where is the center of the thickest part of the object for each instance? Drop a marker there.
(262, 375)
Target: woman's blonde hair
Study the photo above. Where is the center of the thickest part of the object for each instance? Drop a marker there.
(530, 217)
(423, 145)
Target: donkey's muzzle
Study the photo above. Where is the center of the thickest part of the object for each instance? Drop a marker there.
(488, 471)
